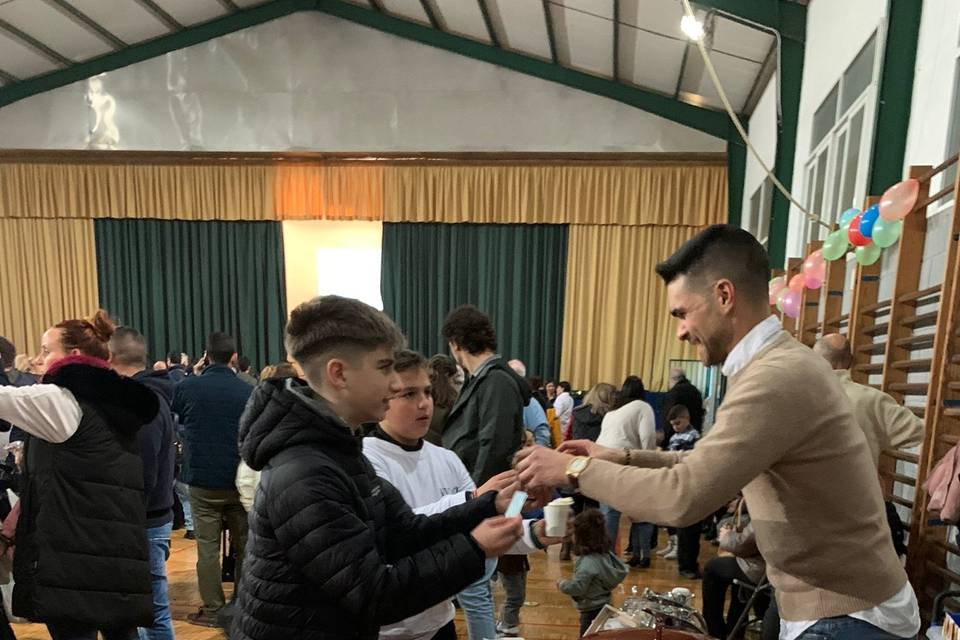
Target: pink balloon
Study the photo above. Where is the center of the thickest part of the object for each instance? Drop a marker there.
(798, 282)
(812, 283)
(899, 200)
(815, 268)
(790, 303)
(777, 285)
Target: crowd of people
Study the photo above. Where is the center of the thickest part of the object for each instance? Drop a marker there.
(363, 488)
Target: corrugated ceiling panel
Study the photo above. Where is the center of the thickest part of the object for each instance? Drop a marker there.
(408, 9)
(587, 37)
(736, 76)
(464, 18)
(741, 40)
(650, 61)
(188, 12)
(525, 26)
(54, 29)
(125, 19)
(21, 60)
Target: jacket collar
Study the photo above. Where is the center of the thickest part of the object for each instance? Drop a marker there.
(473, 383)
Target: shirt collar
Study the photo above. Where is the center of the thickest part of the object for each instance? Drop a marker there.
(843, 374)
(751, 344)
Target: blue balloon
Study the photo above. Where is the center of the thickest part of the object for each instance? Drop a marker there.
(847, 216)
(869, 219)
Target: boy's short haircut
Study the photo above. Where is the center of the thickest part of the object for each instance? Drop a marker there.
(221, 347)
(330, 326)
(470, 329)
(678, 411)
(407, 360)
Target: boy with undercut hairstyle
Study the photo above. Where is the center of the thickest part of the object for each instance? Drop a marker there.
(333, 551)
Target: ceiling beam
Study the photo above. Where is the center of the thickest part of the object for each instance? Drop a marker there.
(616, 40)
(35, 44)
(488, 20)
(767, 69)
(551, 36)
(377, 5)
(789, 18)
(8, 77)
(153, 48)
(712, 122)
(87, 22)
(160, 14)
(229, 5)
(431, 12)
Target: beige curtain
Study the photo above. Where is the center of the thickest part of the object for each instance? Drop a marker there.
(235, 191)
(623, 194)
(330, 192)
(48, 273)
(616, 321)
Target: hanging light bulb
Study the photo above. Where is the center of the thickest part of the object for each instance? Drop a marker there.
(691, 27)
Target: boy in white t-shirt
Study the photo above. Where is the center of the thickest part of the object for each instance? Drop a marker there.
(431, 479)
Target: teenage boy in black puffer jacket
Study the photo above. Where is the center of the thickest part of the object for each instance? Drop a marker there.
(333, 551)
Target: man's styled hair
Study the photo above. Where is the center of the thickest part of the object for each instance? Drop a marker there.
(470, 329)
(243, 363)
(407, 360)
(330, 326)
(721, 251)
(221, 347)
(8, 354)
(128, 347)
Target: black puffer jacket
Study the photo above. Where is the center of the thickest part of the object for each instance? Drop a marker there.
(586, 424)
(81, 553)
(334, 552)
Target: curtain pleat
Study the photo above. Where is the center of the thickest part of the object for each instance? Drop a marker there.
(617, 322)
(236, 191)
(330, 192)
(178, 281)
(514, 273)
(622, 194)
(47, 274)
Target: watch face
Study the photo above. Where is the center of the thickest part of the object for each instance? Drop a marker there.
(578, 465)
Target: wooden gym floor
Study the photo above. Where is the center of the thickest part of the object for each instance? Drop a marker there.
(547, 614)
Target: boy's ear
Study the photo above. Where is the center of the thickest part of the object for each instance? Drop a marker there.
(334, 371)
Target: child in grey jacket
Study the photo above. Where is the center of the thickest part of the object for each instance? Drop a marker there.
(597, 570)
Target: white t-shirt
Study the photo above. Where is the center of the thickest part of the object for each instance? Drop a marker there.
(632, 426)
(431, 480)
(563, 407)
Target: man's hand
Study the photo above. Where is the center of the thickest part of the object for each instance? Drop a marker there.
(592, 449)
(496, 535)
(540, 530)
(540, 467)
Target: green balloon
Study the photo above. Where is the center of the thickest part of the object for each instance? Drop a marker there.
(886, 232)
(868, 255)
(847, 216)
(835, 245)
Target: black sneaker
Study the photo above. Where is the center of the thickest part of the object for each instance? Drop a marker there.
(190, 535)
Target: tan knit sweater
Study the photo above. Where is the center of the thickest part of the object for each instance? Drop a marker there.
(785, 435)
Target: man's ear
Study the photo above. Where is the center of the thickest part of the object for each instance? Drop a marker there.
(335, 373)
(725, 294)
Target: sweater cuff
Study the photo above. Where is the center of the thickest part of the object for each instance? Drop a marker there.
(490, 504)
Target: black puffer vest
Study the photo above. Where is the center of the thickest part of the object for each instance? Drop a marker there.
(81, 549)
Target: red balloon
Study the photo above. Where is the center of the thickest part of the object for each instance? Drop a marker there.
(857, 239)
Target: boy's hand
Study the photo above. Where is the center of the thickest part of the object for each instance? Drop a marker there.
(496, 535)
(498, 482)
(505, 495)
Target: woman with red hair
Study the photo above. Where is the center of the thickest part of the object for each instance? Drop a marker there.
(81, 563)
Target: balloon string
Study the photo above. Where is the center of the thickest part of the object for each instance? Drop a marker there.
(708, 64)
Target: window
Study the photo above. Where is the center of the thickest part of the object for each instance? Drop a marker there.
(836, 173)
(760, 205)
(953, 135)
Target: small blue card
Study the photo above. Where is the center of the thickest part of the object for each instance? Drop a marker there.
(516, 504)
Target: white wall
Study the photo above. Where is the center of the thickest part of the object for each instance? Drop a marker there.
(836, 31)
(763, 136)
(314, 82)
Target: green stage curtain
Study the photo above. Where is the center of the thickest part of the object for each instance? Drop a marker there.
(178, 281)
(514, 273)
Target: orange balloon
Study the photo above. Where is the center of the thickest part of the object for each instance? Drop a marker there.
(899, 200)
(798, 282)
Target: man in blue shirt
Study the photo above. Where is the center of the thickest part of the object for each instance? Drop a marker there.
(534, 417)
(209, 406)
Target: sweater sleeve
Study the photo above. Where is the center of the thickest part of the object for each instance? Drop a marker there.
(577, 585)
(902, 427)
(679, 489)
(45, 411)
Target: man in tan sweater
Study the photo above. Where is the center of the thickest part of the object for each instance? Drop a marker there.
(885, 422)
(785, 434)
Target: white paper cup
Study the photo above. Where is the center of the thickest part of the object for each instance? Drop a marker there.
(555, 516)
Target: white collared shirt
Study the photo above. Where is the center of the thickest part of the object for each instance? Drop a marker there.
(751, 344)
(899, 615)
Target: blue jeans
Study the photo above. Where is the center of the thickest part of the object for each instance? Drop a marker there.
(477, 604)
(845, 628)
(183, 492)
(158, 539)
(641, 535)
(612, 516)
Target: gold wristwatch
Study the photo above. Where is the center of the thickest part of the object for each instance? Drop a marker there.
(575, 467)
